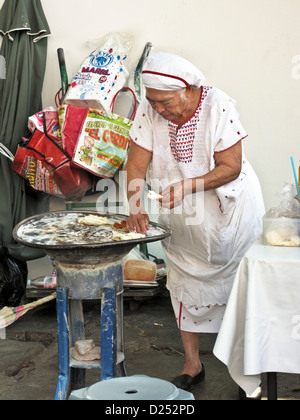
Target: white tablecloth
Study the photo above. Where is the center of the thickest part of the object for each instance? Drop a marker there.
(261, 327)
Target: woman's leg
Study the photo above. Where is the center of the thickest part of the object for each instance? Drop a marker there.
(190, 342)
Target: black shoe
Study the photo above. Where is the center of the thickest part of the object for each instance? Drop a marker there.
(186, 382)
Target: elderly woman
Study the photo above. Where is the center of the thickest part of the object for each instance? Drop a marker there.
(188, 140)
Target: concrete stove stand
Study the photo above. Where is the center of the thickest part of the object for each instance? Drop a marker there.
(76, 283)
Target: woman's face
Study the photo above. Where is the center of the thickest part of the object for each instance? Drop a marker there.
(171, 105)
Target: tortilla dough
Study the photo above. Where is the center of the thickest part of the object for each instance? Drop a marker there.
(152, 195)
(93, 220)
(119, 236)
(276, 238)
(283, 234)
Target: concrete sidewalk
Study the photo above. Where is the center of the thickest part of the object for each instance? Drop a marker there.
(29, 366)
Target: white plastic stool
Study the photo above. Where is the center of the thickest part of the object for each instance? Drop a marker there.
(137, 387)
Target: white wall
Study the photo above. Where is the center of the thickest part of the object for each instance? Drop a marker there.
(248, 48)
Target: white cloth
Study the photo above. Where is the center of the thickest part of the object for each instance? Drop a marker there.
(202, 256)
(261, 326)
(163, 71)
(206, 319)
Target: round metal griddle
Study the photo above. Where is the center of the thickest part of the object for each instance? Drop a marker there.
(93, 251)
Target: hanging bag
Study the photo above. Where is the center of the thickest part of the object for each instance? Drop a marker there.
(47, 167)
(96, 141)
(102, 74)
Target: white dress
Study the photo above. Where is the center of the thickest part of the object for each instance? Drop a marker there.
(209, 235)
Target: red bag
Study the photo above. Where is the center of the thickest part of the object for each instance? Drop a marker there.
(71, 119)
(47, 167)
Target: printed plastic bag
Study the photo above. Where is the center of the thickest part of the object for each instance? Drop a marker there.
(13, 279)
(30, 166)
(102, 74)
(96, 141)
(36, 121)
(102, 143)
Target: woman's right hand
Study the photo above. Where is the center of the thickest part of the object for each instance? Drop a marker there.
(138, 223)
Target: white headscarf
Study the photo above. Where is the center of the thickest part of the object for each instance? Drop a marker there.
(163, 71)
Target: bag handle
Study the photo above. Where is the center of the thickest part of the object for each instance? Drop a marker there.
(59, 98)
(6, 152)
(131, 117)
(68, 158)
(44, 157)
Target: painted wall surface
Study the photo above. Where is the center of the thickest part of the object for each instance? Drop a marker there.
(248, 48)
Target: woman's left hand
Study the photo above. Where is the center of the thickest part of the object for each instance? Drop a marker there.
(173, 195)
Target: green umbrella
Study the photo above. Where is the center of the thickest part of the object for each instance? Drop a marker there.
(24, 29)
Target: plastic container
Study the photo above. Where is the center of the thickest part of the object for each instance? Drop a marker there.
(137, 387)
(281, 231)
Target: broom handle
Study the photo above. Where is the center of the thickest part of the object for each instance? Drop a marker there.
(63, 71)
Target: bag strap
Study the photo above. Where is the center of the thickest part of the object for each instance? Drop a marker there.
(59, 98)
(46, 134)
(131, 117)
(6, 152)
